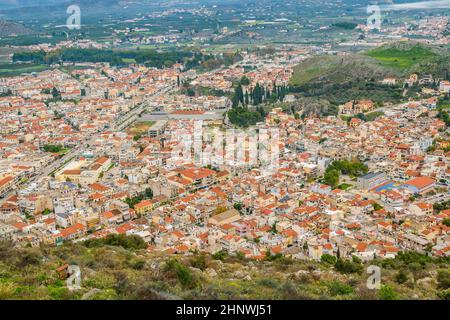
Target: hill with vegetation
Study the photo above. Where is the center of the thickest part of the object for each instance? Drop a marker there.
(333, 68)
(10, 28)
(120, 267)
(399, 57)
(412, 57)
(339, 79)
(357, 76)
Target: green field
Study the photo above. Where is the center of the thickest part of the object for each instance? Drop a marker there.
(401, 59)
(10, 70)
(125, 60)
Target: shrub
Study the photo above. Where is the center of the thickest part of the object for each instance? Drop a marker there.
(199, 261)
(337, 288)
(443, 279)
(328, 258)
(30, 257)
(273, 257)
(122, 282)
(415, 266)
(240, 255)
(401, 277)
(7, 291)
(444, 294)
(389, 264)
(106, 258)
(268, 282)
(344, 266)
(220, 255)
(387, 293)
(6, 248)
(289, 291)
(139, 264)
(414, 257)
(128, 242)
(183, 274)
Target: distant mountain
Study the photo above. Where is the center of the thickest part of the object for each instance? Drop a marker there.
(55, 10)
(9, 28)
(7, 4)
(15, 4)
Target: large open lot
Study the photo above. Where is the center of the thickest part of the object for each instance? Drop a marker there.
(140, 128)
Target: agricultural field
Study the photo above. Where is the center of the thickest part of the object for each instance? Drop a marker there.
(401, 59)
(10, 70)
(126, 60)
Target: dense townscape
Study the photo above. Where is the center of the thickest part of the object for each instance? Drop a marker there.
(70, 173)
(229, 136)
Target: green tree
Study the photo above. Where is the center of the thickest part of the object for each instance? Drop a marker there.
(245, 81)
(328, 258)
(331, 178)
(133, 242)
(345, 266)
(305, 246)
(183, 274)
(376, 206)
(55, 93)
(220, 255)
(443, 279)
(52, 148)
(238, 206)
(148, 193)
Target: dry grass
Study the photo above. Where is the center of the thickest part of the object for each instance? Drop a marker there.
(140, 128)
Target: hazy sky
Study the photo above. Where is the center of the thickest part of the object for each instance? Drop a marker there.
(434, 4)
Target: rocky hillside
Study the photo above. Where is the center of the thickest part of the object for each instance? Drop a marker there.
(115, 272)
